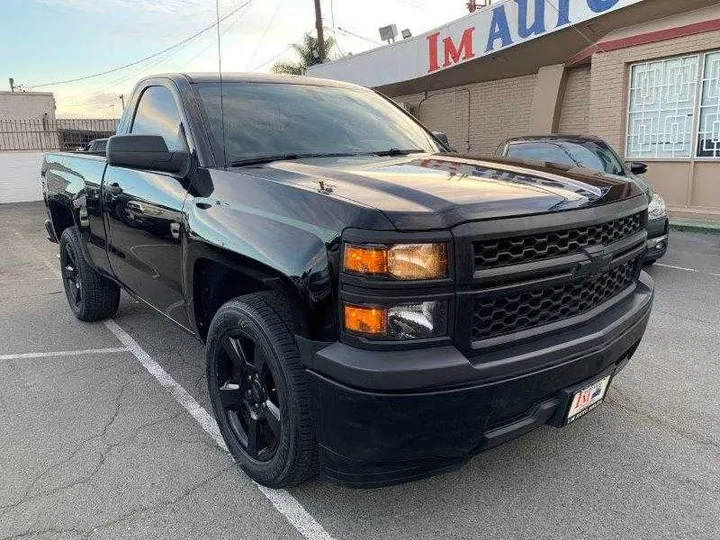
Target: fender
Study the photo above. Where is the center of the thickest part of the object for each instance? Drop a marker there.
(69, 193)
(278, 234)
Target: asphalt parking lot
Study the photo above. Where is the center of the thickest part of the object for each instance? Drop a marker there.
(96, 440)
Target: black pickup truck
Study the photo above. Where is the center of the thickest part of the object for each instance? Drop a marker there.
(376, 307)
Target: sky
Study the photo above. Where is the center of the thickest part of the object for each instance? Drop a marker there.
(48, 41)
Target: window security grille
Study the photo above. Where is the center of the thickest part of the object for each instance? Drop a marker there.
(662, 108)
(709, 128)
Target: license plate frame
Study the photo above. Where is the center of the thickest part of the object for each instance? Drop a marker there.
(586, 399)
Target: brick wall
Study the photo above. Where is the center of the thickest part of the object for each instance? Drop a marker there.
(609, 81)
(497, 110)
(574, 116)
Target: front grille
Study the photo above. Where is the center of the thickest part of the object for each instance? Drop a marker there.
(500, 315)
(534, 247)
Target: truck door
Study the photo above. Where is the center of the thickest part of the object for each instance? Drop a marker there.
(143, 212)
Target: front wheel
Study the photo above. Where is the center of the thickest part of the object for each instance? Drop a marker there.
(92, 297)
(258, 391)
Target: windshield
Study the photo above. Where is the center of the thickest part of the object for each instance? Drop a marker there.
(271, 119)
(588, 154)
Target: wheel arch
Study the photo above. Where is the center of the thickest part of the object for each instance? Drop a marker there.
(61, 216)
(214, 276)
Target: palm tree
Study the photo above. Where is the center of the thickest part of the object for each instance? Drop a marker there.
(307, 52)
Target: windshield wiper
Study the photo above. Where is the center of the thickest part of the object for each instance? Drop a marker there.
(260, 160)
(263, 159)
(398, 152)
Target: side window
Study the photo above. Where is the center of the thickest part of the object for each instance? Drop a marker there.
(157, 114)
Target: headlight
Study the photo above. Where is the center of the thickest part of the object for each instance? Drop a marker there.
(421, 320)
(401, 261)
(657, 208)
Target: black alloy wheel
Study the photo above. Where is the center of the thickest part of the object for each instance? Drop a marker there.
(258, 389)
(92, 296)
(249, 396)
(71, 276)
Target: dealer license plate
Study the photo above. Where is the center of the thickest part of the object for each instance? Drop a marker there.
(587, 399)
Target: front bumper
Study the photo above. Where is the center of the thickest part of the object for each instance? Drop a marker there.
(658, 236)
(384, 417)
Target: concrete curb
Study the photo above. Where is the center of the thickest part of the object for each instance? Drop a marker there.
(695, 225)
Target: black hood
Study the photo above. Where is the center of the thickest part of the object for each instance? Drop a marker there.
(420, 192)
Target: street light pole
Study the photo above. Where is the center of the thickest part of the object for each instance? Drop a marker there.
(320, 31)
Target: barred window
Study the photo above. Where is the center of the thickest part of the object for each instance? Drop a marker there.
(709, 129)
(662, 108)
(674, 108)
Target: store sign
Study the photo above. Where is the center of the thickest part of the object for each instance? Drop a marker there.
(479, 34)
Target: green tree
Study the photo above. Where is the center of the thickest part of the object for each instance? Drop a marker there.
(307, 52)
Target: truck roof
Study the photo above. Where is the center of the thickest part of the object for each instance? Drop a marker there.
(212, 77)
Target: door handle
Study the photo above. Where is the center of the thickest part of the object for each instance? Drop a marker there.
(135, 207)
(175, 230)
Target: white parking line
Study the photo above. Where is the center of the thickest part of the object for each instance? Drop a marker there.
(677, 268)
(25, 356)
(283, 501)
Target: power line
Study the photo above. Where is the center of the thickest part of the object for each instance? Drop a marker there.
(334, 28)
(412, 4)
(278, 55)
(131, 64)
(230, 27)
(267, 28)
(131, 75)
(347, 32)
(135, 73)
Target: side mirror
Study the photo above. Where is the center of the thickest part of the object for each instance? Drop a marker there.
(638, 168)
(442, 137)
(145, 152)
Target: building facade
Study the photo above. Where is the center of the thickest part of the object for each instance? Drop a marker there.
(642, 74)
(27, 105)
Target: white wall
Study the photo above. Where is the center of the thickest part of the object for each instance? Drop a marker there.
(27, 105)
(20, 176)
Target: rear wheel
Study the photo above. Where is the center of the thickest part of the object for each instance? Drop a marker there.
(92, 297)
(258, 391)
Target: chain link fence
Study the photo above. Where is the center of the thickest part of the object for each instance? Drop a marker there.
(45, 134)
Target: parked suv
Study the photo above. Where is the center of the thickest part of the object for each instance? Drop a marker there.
(594, 153)
(375, 307)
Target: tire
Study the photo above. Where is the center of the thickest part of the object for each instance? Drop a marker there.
(258, 390)
(91, 296)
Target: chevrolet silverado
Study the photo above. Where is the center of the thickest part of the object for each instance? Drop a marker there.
(376, 308)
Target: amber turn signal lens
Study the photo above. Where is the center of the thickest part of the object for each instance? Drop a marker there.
(400, 261)
(366, 260)
(365, 320)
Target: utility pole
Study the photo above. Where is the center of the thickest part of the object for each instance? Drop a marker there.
(122, 100)
(320, 32)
